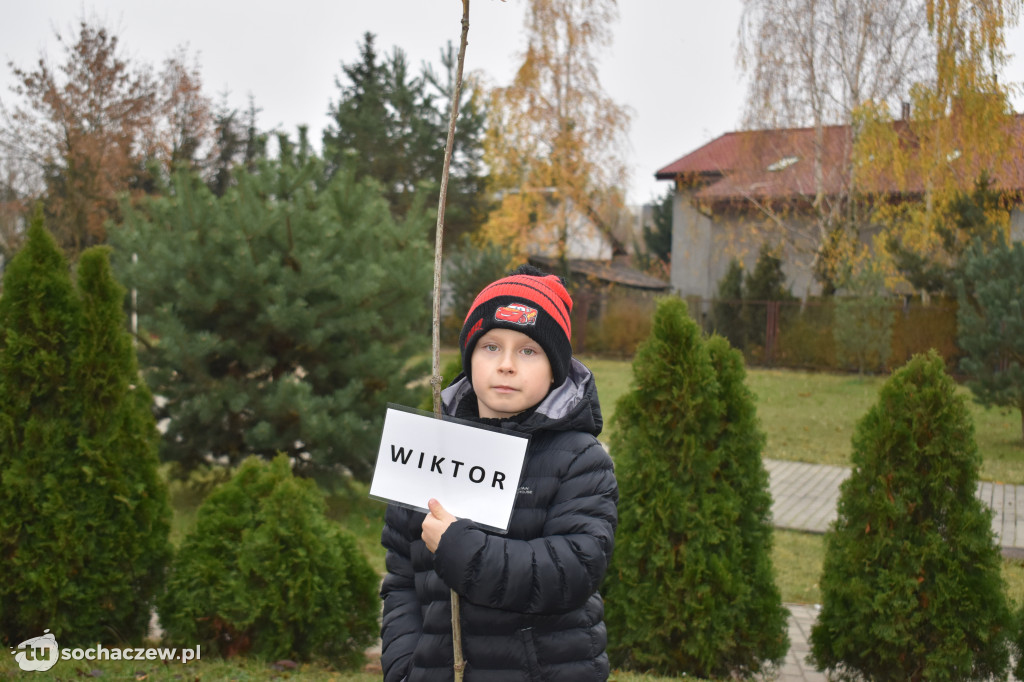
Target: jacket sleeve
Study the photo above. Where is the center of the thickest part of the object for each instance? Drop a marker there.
(554, 573)
(402, 621)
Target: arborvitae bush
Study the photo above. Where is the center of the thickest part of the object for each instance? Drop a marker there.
(761, 633)
(911, 585)
(1018, 643)
(264, 572)
(690, 587)
(83, 513)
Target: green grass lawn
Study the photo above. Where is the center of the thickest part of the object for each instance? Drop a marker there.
(798, 560)
(810, 417)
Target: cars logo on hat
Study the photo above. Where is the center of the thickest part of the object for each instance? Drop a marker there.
(517, 313)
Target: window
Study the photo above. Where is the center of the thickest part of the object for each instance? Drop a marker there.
(783, 163)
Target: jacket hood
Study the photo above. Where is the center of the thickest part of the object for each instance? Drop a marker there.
(573, 406)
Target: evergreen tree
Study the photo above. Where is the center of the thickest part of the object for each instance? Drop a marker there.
(767, 283)
(658, 237)
(690, 549)
(728, 309)
(761, 629)
(911, 584)
(39, 321)
(975, 215)
(361, 133)
(264, 572)
(1018, 643)
(392, 126)
(467, 201)
(281, 317)
(238, 142)
(467, 271)
(83, 534)
(990, 324)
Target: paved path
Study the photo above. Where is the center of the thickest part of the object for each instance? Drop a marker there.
(804, 498)
(794, 667)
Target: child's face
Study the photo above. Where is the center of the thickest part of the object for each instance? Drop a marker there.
(511, 373)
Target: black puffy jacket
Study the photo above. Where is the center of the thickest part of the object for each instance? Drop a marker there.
(530, 606)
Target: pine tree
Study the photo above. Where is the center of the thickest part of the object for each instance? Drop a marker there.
(83, 533)
(976, 215)
(680, 594)
(392, 125)
(281, 317)
(360, 135)
(911, 584)
(990, 324)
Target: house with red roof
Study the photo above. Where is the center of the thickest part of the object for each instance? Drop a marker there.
(746, 188)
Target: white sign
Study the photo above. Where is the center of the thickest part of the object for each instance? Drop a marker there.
(473, 472)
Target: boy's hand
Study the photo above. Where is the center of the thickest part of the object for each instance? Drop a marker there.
(435, 524)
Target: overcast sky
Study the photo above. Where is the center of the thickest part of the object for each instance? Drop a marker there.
(672, 61)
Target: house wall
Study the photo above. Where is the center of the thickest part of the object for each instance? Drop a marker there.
(703, 247)
(691, 247)
(583, 240)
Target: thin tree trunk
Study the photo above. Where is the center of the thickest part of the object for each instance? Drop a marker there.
(436, 379)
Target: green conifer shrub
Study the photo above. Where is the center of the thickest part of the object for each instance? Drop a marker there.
(1018, 642)
(264, 572)
(990, 324)
(690, 548)
(761, 629)
(728, 307)
(911, 584)
(765, 285)
(85, 521)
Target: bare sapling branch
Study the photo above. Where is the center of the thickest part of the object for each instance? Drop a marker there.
(436, 379)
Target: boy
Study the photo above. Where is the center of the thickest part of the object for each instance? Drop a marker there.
(529, 600)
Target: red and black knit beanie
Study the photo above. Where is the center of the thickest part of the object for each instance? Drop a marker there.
(528, 301)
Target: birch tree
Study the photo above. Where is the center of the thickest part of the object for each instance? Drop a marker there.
(812, 63)
(555, 143)
(962, 131)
